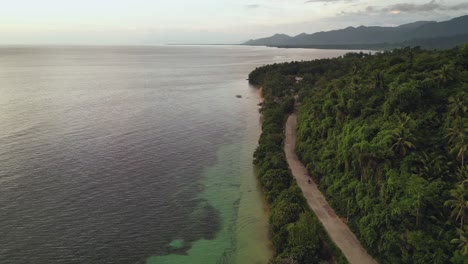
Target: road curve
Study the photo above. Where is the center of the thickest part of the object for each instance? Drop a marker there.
(338, 231)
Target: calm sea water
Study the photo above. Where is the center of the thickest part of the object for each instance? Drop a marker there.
(132, 154)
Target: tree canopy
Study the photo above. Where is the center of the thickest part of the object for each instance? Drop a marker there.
(386, 138)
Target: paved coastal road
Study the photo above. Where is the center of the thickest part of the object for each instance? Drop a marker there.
(335, 227)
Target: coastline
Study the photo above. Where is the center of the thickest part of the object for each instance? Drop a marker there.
(253, 241)
(231, 187)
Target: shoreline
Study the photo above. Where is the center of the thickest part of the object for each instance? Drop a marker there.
(253, 240)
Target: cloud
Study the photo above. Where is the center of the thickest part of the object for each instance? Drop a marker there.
(428, 7)
(252, 6)
(395, 9)
(407, 8)
(326, 1)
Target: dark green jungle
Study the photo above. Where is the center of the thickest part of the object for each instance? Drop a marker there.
(385, 136)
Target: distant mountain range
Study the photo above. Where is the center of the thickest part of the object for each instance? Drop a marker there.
(422, 33)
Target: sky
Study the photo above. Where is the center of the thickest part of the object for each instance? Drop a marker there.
(153, 22)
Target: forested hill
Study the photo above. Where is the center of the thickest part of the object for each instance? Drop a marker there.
(386, 138)
(448, 33)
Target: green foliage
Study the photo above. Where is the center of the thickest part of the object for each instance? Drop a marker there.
(462, 240)
(458, 202)
(274, 182)
(386, 137)
(295, 232)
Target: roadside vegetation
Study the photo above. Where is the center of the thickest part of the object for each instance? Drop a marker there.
(386, 138)
(296, 233)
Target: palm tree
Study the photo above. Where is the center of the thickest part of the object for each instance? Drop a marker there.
(446, 73)
(459, 149)
(403, 121)
(402, 145)
(462, 175)
(402, 136)
(462, 240)
(457, 105)
(457, 137)
(459, 203)
(402, 141)
(431, 166)
(456, 133)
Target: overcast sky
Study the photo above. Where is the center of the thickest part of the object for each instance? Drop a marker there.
(202, 21)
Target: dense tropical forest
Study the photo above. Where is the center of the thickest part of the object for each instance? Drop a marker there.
(386, 137)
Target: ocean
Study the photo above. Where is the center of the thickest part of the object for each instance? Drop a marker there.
(132, 154)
